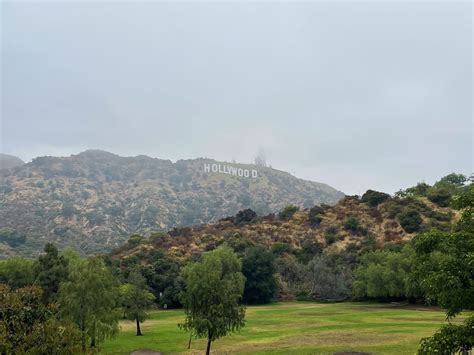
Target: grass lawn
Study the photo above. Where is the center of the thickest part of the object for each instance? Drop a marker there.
(294, 327)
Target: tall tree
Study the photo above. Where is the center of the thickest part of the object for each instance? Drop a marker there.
(258, 268)
(136, 299)
(212, 296)
(50, 270)
(91, 300)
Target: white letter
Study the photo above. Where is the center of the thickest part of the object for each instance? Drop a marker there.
(233, 170)
(214, 168)
(240, 172)
(207, 168)
(254, 173)
(246, 173)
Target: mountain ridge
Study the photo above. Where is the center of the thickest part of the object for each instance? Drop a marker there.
(94, 200)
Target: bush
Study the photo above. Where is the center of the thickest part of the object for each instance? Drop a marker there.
(68, 209)
(245, 216)
(440, 196)
(288, 212)
(410, 220)
(374, 198)
(352, 224)
(330, 238)
(314, 215)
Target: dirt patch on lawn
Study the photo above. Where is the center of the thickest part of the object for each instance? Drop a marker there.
(146, 352)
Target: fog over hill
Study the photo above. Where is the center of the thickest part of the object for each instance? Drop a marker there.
(9, 161)
(94, 200)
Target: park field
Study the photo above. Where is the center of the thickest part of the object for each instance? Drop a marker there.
(294, 327)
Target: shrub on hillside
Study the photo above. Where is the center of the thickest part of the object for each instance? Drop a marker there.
(288, 212)
(410, 220)
(440, 196)
(352, 224)
(245, 216)
(314, 215)
(374, 198)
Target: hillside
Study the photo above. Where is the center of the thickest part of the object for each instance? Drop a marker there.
(94, 200)
(9, 161)
(349, 226)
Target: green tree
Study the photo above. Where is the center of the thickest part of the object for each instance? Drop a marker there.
(28, 326)
(386, 274)
(50, 270)
(136, 299)
(90, 300)
(211, 300)
(288, 212)
(258, 268)
(16, 272)
(410, 220)
(446, 274)
(374, 198)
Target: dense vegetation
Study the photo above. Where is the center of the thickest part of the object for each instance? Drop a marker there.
(362, 248)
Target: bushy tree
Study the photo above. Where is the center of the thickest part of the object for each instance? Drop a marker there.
(374, 198)
(90, 299)
(326, 280)
(446, 274)
(211, 300)
(50, 270)
(245, 216)
(260, 283)
(440, 196)
(410, 220)
(136, 299)
(28, 326)
(288, 212)
(385, 274)
(16, 272)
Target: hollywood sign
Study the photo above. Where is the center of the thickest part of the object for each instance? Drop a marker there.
(230, 170)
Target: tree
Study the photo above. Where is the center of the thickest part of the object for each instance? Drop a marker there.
(288, 212)
(90, 300)
(50, 270)
(16, 272)
(410, 220)
(136, 298)
(211, 300)
(446, 274)
(245, 216)
(327, 281)
(28, 326)
(440, 196)
(385, 275)
(258, 268)
(374, 198)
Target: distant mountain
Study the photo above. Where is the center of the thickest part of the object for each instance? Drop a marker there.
(94, 200)
(9, 161)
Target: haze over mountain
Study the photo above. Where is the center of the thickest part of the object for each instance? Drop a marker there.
(94, 200)
(9, 161)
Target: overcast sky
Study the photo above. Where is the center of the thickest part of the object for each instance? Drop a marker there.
(356, 95)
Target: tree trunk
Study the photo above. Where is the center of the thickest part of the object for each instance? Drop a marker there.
(139, 332)
(93, 336)
(208, 349)
(189, 342)
(83, 338)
